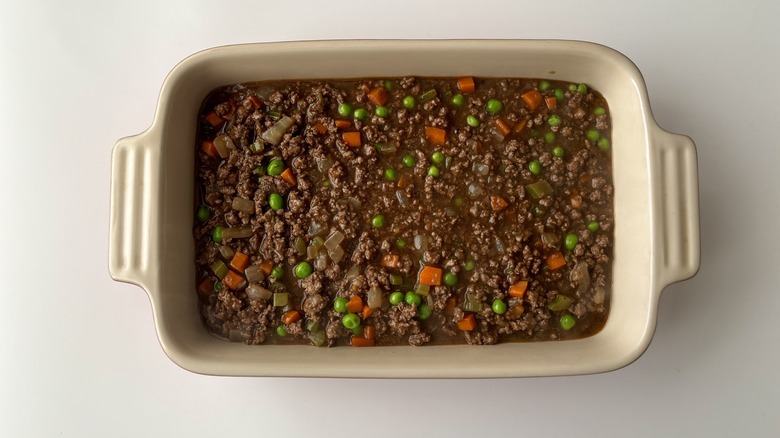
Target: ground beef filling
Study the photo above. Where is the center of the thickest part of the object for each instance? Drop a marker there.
(403, 211)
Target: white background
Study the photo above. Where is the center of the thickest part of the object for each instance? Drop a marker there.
(78, 352)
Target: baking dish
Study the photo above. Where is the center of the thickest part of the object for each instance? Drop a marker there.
(656, 207)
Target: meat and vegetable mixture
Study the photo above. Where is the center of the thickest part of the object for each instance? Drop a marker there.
(411, 210)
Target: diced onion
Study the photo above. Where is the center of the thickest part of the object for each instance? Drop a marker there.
(275, 133)
(236, 335)
(224, 144)
(243, 204)
(500, 247)
(300, 246)
(475, 190)
(254, 274)
(257, 292)
(374, 297)
(237, 232)
(314, 248)
(388, 148)
(324, 164)
(316, 229)
(599, 295)
(334, 240)
(403, 200)
(421, 243)
(580, 275)
(336, 254)
(550, 240)
(226, 251)
(355, 202)
(480, 169)
(352, 273)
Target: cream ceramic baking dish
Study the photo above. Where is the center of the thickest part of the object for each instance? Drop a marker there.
(656, 207)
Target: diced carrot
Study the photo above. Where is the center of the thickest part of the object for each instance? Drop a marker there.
(213, 119)
(468, 323)
(391, 261)
(233, 280)
(556, 261)
(210, 149)
(533, 99)
(521, 125)
(498, 203)
(240, 261)
(430, 275)
(503, 127)
(378, 95)
(436, 136)
(352, 139)
(369, 332)
(291, 316)
(355, 305)
(359, 341)
(576, 200)
(320, 128)
(205, 287)
(518, 289)
(466, 84)
(343, 124)
(266, 266)
(367, 311)
(403, 182)
(288, 176)
(551, 102)
(256, 102)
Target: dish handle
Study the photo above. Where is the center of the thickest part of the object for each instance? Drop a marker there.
(677, 234)
(134, 180)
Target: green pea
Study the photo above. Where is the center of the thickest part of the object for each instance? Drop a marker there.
(218, 286)
(340, 304)
(472, 121)
(409, 102)
(203, 213)
(567, 322)
(382, 111)
(554, 120)
(401, 243)
(388, 85)
(494, 106)
(345, 110)
(216, 235)
(571, 241)
(391, 174)
(544, 86)
(378, 221)
(499, 306)
(599, 111)
(450, 279)
(437, 157)
(360, 114)
(433, 171)
(572, 87)
(582, 88)
(593, 226)
(275, 201)
(357, 331)
(592, 134)
(604, 143)
(281, 330)
(303, 270)
(276, 167)
(424, 312)
(412, 299)
(277, 272)
(558, 151)
(458, 201)
(559, 94)
(396, 298)
(457, 99)
(470, 265)
(549, 137)
(535, 167)
(409, 160)
(350, 320)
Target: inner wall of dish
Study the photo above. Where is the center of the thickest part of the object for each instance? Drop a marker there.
(632, 306)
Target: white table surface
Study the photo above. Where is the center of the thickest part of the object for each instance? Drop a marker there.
(78, 352)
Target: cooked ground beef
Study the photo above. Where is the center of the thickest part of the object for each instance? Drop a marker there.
(411, 210)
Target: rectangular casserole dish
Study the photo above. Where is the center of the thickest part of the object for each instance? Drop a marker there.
(656, 207)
